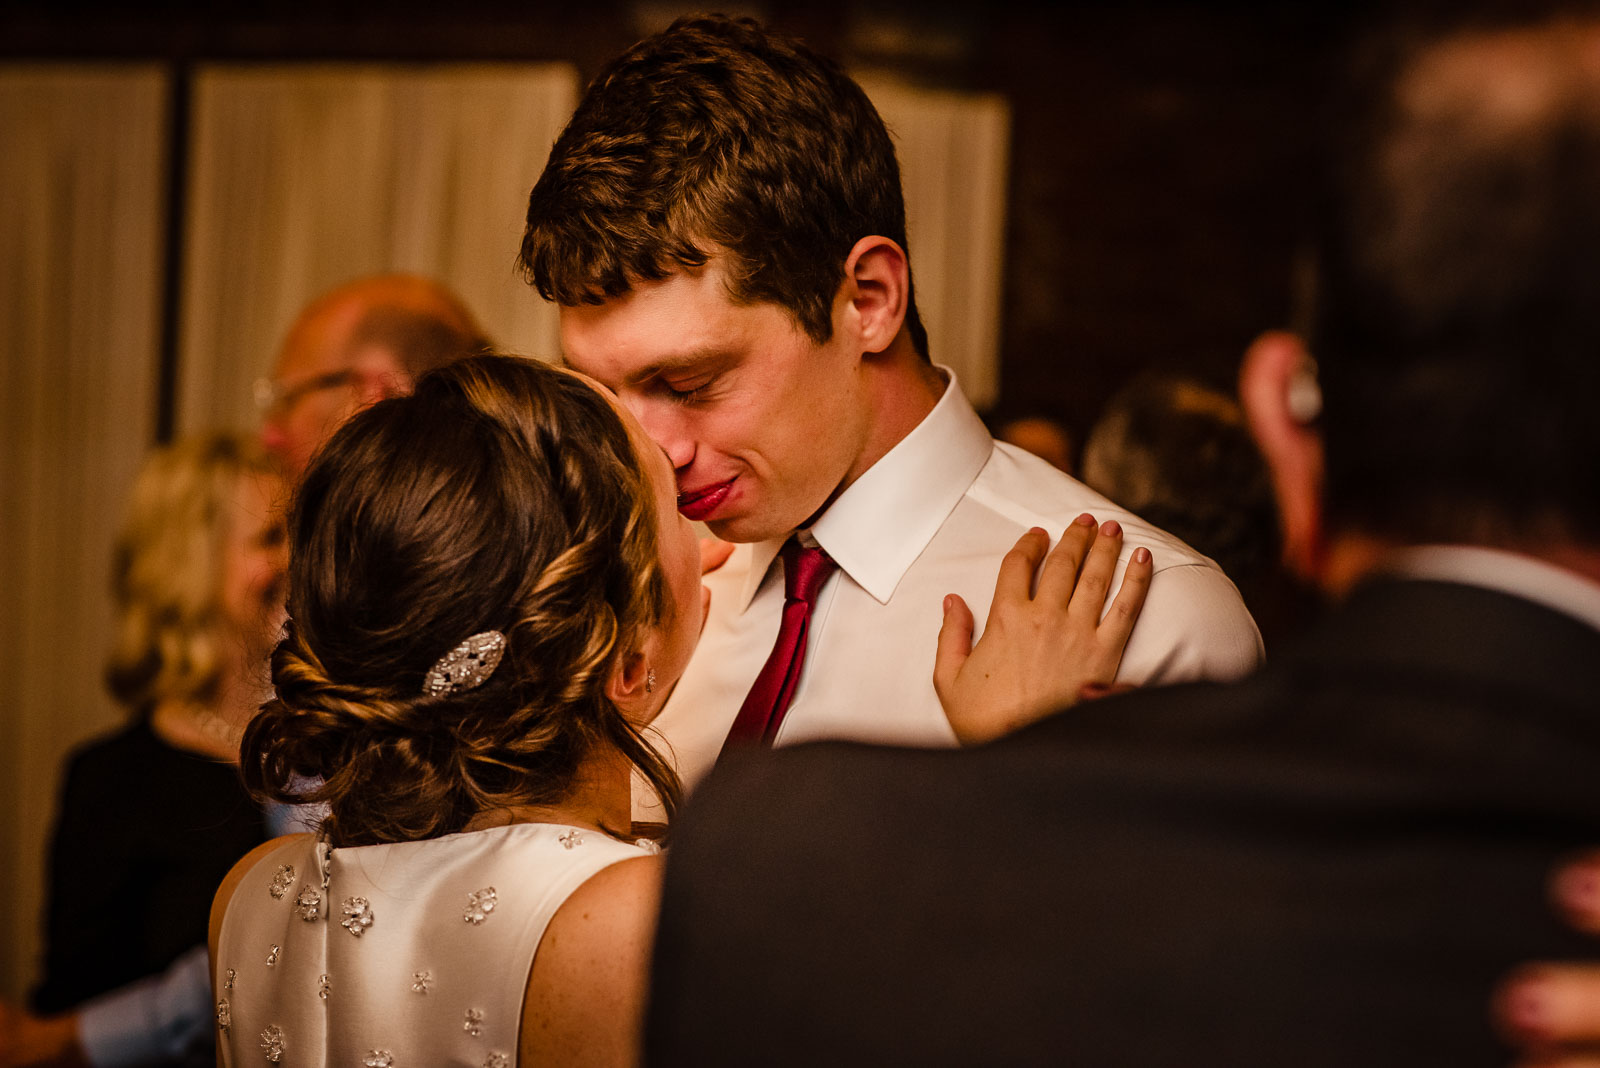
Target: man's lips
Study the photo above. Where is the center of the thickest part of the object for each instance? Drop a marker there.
(701, 503)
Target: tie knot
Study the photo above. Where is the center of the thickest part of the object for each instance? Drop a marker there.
(804, 571)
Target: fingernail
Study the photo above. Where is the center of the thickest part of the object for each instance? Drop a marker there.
(947, 599)
(1038, 530)
(1526, 1007)
(1141, 555)
(1578, 888)
(1112, 529)
(1085, 520)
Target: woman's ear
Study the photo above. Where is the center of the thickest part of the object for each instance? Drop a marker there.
(1281, 401)
(630, 685)
(878, 287)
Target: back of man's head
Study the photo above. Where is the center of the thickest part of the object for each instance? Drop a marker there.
(1177, 452)
(1459, 331)
(416, 322)
(717, 136)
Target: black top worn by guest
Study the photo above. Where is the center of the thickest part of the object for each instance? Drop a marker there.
(144, 835)
(1329, 864)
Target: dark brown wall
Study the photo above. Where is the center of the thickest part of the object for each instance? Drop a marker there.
(1160, 186)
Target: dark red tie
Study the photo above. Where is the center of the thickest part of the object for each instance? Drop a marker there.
(804, 572)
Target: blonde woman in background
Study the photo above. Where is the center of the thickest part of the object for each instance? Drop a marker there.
(152, 816)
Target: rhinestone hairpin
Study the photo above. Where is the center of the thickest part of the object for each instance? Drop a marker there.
(467, 666)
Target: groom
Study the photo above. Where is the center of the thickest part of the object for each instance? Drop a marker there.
(722, 225)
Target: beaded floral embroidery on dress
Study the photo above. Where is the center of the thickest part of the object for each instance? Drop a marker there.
(224, 1015)
(421, 981)
(324, 987)
(497, 1060)
(479, 904)
(570, 839)
(472, 1023)
(272, 1043)
(357, 915)
(281, 881)
(308, 904)
(272, 957)
(379, 1058)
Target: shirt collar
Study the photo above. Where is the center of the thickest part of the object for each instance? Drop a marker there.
(1508, 572)
(881, 523)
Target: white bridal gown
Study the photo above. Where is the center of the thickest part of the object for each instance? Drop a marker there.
(411, 955)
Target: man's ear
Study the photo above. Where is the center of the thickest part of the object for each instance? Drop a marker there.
(878, 289)
(1281, 401)
(379, 375)
(372, 386)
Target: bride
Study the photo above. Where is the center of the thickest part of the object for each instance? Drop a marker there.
(491, 595)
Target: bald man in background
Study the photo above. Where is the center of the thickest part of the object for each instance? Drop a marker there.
(354, 345)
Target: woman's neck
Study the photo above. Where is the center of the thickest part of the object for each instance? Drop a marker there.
(601, 799)
(197, 728)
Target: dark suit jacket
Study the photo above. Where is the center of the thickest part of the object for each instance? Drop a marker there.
(1331, 863)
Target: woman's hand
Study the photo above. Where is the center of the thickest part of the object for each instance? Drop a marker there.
(1552, 1011)
(714, 552)
(1044, 646)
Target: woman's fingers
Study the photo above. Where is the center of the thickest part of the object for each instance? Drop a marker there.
(1061, 567)
(1039, 653)
(1577, 892)
(1545, 1007)
(1014, 585)
(1094, 581)
(714, 552)
(955, 645)
(1129, 602)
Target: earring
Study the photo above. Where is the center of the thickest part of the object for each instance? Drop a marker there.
(650, 682)
(1305, 394)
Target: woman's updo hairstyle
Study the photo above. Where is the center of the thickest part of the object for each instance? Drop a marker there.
(502, 495)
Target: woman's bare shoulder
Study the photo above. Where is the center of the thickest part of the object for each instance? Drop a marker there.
(230, 882)
(592, 969)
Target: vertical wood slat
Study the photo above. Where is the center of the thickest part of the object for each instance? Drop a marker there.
(303, 177)
(82, 228)
(954, 155)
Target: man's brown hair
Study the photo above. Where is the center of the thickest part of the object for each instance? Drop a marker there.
(717, 136)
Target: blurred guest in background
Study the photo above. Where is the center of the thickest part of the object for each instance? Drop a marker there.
(153, 816)
(1178, 452)
(363, 341)
(1046, 438)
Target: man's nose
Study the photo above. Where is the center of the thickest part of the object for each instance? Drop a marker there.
(667, 427)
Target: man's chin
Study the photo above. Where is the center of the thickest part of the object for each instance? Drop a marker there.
(740, 529)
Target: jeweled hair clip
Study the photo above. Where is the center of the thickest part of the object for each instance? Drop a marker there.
(467, 666)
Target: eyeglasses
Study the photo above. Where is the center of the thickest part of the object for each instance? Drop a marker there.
(275, 398)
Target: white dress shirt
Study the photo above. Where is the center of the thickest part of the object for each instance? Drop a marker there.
(932, 517)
